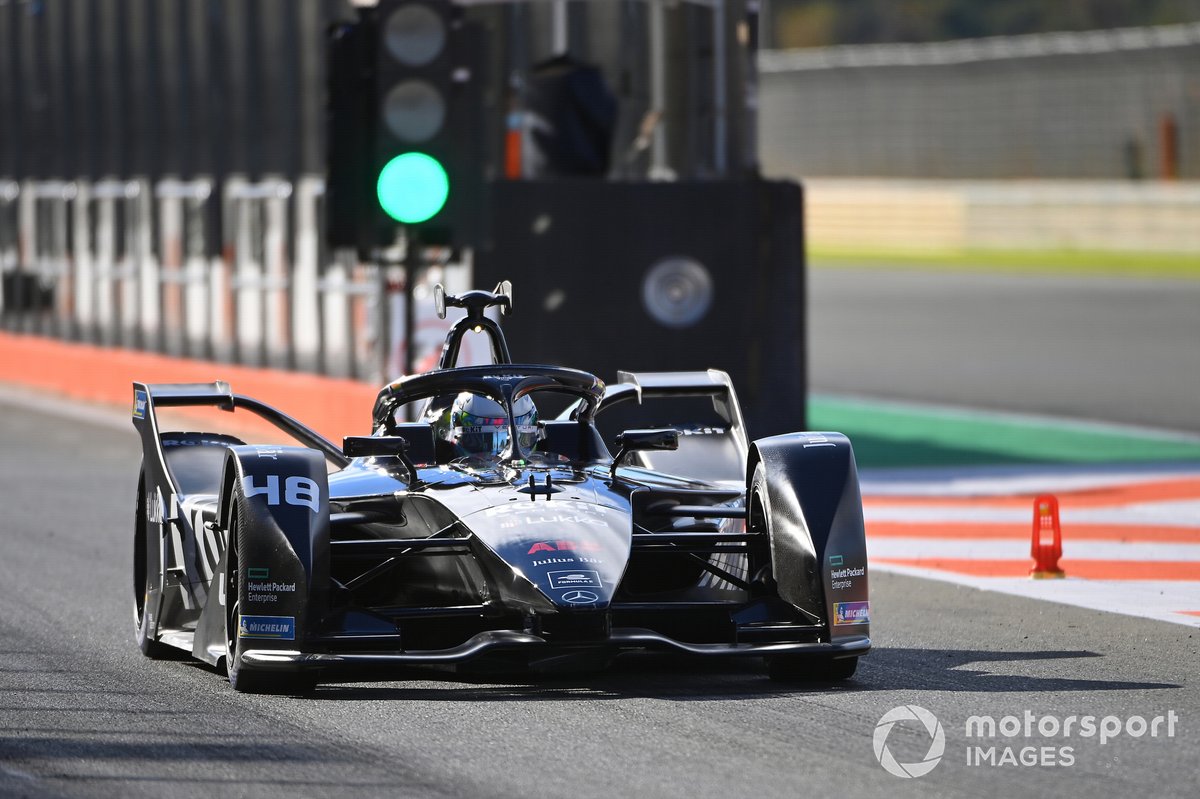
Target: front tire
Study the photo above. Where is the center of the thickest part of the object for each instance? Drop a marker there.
(791, 668)
(243, 679)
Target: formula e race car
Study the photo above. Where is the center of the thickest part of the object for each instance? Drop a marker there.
(504, 516)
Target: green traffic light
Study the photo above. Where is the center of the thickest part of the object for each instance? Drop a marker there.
(412, 188)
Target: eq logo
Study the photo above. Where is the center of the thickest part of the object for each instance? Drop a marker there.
(937, 744)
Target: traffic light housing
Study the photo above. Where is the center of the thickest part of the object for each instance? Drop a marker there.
(406, 126)
(349, 218)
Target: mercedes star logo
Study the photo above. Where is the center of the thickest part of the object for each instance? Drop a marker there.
(580, 597)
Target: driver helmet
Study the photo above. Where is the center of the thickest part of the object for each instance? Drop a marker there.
(479, 426)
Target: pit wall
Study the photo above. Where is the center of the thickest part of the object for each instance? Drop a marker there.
(333, 407)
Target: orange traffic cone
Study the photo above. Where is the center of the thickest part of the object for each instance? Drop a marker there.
(1046, 555)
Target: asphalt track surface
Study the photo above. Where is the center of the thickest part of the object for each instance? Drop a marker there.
(82, 713)
(1104, 348)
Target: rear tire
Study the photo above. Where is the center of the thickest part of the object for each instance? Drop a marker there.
(246, 680)
(142, 583)
(797, 668)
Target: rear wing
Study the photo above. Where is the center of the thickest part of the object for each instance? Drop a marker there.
(218, 394)
(702, 406)
(712, 383)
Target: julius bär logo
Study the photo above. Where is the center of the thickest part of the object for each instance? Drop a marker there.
(937, 741)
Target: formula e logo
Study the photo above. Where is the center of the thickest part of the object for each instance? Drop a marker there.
(296, 491)
(574, 579)
(937, 743)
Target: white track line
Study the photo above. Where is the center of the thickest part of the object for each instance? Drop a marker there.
(1142, 598)
(1183, 513)
(1018, 549)
(975, 481)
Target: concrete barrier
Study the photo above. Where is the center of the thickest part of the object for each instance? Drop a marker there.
(333, 407)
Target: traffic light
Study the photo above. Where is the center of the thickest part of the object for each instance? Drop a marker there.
(427, 154)
(405, 126)
(349, 117)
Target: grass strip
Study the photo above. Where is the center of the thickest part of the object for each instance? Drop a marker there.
(893, 435)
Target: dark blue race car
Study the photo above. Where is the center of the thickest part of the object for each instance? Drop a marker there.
(500, 516)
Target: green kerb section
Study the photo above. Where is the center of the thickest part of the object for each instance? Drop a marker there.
(886, 435)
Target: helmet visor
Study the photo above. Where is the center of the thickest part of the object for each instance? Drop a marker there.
(482, 435)
(527, 430)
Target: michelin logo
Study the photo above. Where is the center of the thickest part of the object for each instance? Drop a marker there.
(281, 628)
(852, 613)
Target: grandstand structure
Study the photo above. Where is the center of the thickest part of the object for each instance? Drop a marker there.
(1062, 141)
(1109, 104)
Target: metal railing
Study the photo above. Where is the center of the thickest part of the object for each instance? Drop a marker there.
(130, 264)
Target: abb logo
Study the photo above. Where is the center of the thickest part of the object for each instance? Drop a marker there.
(564, 546)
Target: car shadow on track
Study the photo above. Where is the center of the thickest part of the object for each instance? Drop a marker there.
(680, 679)
(655, 676)
(683, 679)
(892, 668)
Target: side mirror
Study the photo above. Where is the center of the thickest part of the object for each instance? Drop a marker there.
(642, 441)
(439, 300)
(374, 446)
(380, 447)
(504, 289)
